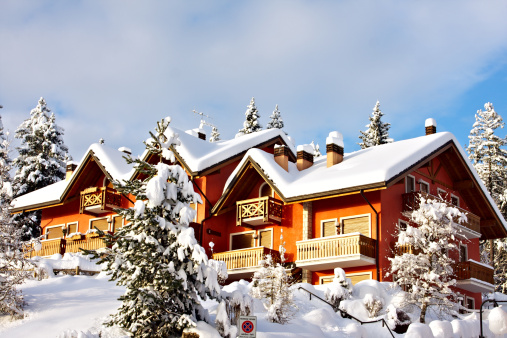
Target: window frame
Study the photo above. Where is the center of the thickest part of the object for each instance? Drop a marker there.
(457, 198)
(53, 226)
(321, 278)
(442, 193)
(347, 275)
(466, 252)
(262, 186)
(258, 240)
(421, 183)
(406, 183)
(329, 220)
(99, 218)
(473, 303)
(356, 216)
(241, 233)
(400, 221)
(70, 223)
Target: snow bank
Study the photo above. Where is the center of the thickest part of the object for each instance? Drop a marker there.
(69, 261)
(498, 321)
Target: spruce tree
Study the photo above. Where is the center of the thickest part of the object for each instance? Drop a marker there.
(215, 135)
(155, 255)
(13, 265)
(377, 132)
(276, 119)
(40, 161)
(251, 124)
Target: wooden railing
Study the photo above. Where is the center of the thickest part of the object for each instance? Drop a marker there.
(245, 258)
(61, 246)
(102, 197)
(411, 202)
(269, 208)
(471, 269)
(93, 243)
(335, 246)
(405, 248)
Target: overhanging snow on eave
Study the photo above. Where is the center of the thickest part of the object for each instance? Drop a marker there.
(337, 193)
(38, 206)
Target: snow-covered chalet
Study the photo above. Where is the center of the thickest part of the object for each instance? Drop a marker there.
(336, 210)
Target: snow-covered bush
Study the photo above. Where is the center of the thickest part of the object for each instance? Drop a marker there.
(272, 285)
(373, 305)
(155, 255)
(339, 289)
(428, 276)
(221, 268)
(397, 319)
(223, 324)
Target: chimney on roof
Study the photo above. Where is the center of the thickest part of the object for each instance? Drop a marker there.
(334, 148)
(282, 156)
(125, 150)
(430, 126)
(71, 166)
(305, 157)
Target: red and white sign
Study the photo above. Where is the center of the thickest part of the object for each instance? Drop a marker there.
(247, 326)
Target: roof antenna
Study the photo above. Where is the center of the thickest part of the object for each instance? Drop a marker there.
(203, 121)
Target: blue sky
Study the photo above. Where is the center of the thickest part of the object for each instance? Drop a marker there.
(111, 69)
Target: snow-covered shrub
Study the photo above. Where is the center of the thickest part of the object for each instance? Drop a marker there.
(221, 268)
(222, 322)
(272, 285)
(373, 305)
(397, 319)
(339, 289)
(498, 321)
(441, 329)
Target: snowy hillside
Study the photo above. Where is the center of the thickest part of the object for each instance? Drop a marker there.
(76, 306)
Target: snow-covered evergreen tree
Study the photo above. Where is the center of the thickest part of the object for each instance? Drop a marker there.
(215, 135)
(428, 275)
(486, 150)
(251, 124)
(275, 119)
(271, 284)
(316, 149)
(155, 255)
(487, 154)
(40, 161)
(339, 289)
(13, 265)
(377, 132)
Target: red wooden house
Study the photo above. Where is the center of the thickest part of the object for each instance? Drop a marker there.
(336, 210)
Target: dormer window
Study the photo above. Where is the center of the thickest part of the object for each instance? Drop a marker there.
(265, 190)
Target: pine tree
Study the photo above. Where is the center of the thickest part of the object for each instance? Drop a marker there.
(377, 132)
(316, 149)
(428, 275)
(215, 135)
(251, 124)
(276, 119)
(13, 265)
(40, 161)
(156, 255)
(486, 153)
(271, 284)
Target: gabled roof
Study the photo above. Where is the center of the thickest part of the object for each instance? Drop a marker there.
(200, 157)
(109, 160)
(368, 169)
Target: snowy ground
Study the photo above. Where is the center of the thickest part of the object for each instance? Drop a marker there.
(76, 306)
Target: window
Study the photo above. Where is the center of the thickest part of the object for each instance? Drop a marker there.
(359, 223)
(463, 253)
(194, 206)
(265, 190)
(117, 223)
(357, 277)
(402, 225)
(326, 280)
(54, 232)
(242, 240)
(100, 223)
(455, 200)
(442, 193)
(329, 227)
(424, 187)
(72, 228)
(409, 184)
(266, 238)
(470, 303)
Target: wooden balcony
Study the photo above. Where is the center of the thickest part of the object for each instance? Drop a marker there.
(259, 211)
(99, 200)
(474, 276)
(405, 248)
(243, 262)
(336, 251)
(61, 246)
(473, 223)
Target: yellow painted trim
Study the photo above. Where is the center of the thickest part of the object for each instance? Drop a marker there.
(336, 195)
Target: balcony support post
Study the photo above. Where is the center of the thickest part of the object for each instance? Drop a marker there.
(378, 235)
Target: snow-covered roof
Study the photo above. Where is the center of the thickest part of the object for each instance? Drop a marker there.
(199, 154)
(110, 159)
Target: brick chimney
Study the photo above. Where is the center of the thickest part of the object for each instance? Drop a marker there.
(71, 166)
(334, 148)
(282, 156)
(430, 126)
(305, 157)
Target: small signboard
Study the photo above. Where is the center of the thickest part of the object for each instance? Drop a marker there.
(247, 326)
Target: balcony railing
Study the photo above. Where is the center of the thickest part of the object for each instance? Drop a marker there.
(411, 202)
(354, 244)
(472, 269)
(61, 246)
(404, 248)
(258, 211)
(245, 258)
(98, 200)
